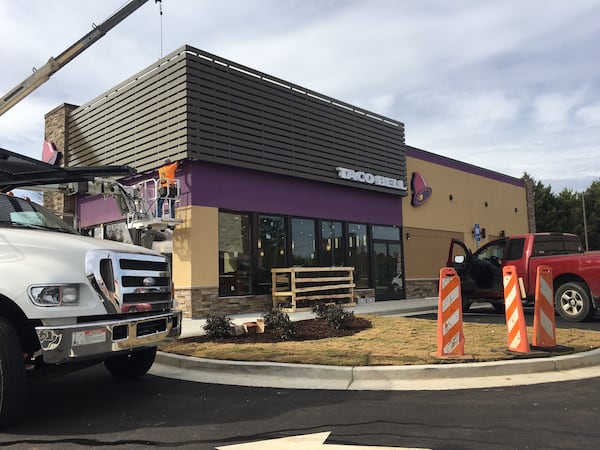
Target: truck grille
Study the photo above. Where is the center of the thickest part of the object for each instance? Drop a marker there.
(130, 282)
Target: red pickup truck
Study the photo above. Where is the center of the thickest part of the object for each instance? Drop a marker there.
(576, 273)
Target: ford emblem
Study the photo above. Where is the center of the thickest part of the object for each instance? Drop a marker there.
(149, 281)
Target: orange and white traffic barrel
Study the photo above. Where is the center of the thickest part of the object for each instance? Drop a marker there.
(450, 336)
(515, 319)
(544, 323)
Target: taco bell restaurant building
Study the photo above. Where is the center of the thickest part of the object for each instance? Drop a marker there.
(273, 175)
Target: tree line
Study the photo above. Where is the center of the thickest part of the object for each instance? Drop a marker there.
(564, 212)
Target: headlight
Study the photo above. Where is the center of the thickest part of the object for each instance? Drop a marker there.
(55, 295)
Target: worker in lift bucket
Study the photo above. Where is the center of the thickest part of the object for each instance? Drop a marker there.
(167, 188)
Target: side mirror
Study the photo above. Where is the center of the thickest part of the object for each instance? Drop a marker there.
(460, 259)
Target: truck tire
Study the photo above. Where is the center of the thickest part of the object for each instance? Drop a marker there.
(573, 302)
(132, 365)
(12, 375)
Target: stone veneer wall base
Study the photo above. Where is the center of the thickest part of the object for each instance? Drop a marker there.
(422, 287)
(198, 303)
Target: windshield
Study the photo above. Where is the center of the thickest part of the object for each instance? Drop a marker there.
(18, 212)
(493, 252)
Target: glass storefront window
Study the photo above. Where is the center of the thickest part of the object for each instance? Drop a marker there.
(388, 270)
(387, 252)
(303, 242)
(270, 248)
(386, 233)
(235, 274)
(332, 248)
(252, 244)
(358, 253)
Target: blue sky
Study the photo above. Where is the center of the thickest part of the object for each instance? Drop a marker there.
(508, 85)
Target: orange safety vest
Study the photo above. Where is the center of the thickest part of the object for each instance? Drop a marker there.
(167, 174)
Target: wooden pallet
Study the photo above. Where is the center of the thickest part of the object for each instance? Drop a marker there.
(304, 285)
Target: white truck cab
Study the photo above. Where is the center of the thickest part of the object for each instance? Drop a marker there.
(65, 298)
(69, 299)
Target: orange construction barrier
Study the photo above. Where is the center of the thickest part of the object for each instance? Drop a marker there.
(515, 319)
(544, 324)
(450, 336)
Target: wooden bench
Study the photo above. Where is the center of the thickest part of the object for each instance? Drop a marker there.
(295, 288)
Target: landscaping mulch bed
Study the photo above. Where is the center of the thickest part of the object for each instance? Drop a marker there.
(306, 330)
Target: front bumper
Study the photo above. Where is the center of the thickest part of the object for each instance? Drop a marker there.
(62, 344)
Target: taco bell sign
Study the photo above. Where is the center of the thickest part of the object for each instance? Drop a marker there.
(368, 178)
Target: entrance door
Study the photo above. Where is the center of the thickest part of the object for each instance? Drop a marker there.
(389, 283)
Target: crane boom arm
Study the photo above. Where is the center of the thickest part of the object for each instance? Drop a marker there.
(53, 65)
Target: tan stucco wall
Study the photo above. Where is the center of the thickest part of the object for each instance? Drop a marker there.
(432, 225)
(426, 251)
(195, 249)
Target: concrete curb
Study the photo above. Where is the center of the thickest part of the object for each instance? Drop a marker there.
(421, 377)
(443, 376)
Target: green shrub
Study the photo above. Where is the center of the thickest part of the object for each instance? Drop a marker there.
(335, 314)
(320, 309)
(218, 326)
(279, 322)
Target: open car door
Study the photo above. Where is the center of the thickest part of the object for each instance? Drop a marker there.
(480, 272)
(460, 258)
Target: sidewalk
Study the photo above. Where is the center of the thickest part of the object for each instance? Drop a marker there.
(418, 377)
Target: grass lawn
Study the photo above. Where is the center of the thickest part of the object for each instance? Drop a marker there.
(390, 341)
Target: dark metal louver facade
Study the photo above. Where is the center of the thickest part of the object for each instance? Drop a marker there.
(192, 104)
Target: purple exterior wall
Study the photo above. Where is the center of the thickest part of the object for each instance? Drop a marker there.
(205, 184)
(95, 210)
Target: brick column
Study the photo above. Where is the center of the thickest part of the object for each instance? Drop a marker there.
(56, 131)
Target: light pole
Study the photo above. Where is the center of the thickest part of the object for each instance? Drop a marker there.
(584, 221)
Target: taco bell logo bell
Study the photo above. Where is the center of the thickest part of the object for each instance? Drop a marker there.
(420, 191)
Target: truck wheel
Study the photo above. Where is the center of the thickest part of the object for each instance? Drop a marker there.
(132, 365)
(12, 374)
(573, 303)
